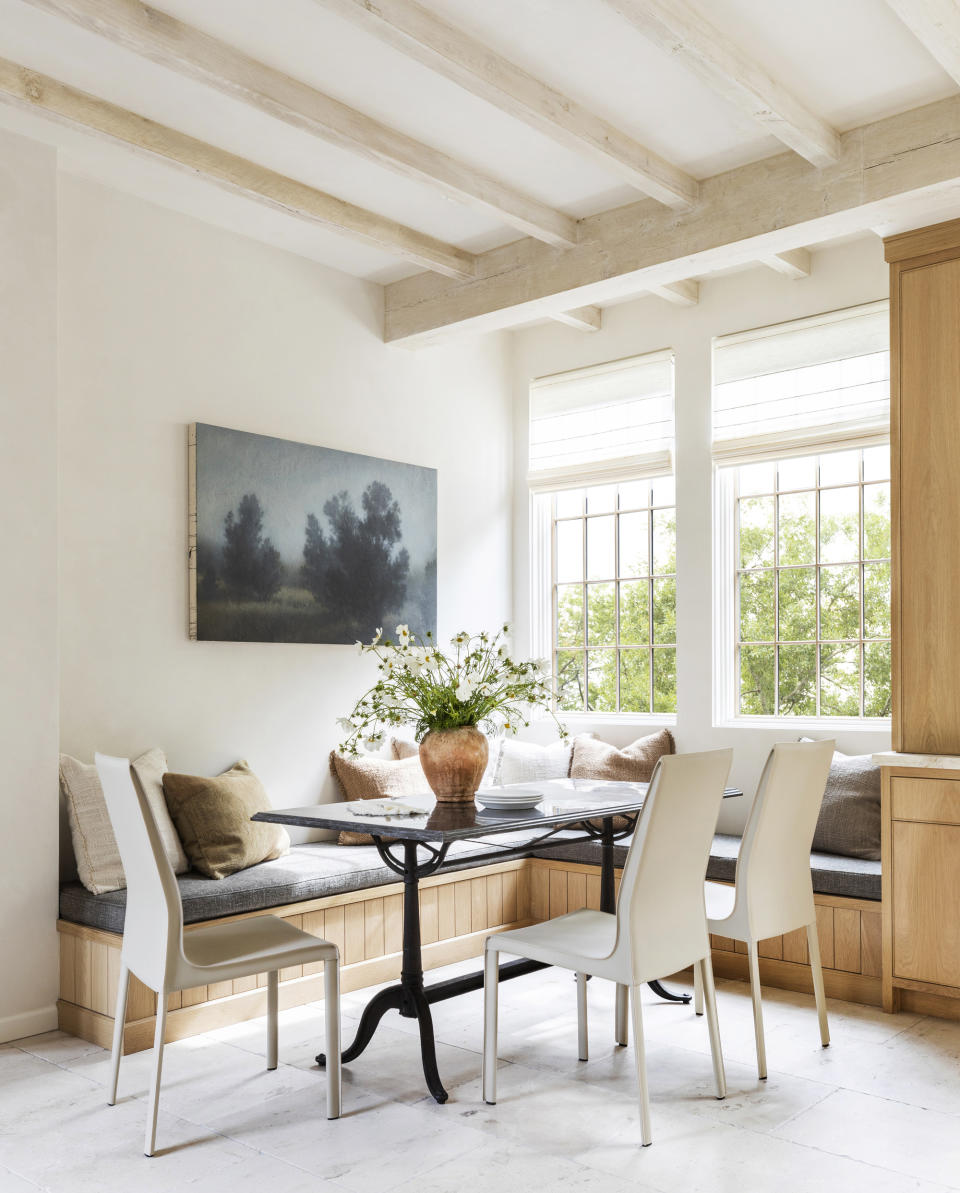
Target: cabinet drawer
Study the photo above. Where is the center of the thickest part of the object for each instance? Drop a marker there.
(932, 800)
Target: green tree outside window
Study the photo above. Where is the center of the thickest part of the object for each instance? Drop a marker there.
(615, 599)
(813, 593)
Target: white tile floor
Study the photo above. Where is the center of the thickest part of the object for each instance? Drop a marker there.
(878, 1111)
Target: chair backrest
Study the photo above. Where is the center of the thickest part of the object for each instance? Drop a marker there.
(153, 924)
(661, 914)
(774, 885)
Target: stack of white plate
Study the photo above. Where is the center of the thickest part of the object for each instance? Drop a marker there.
(509, 799)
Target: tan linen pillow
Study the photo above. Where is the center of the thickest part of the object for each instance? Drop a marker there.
(95, 847)
(368, 777)
(595, 759)
(213, 819)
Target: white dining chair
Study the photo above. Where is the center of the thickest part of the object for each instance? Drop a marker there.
(773, 888)
(659, 927)
(164, 957)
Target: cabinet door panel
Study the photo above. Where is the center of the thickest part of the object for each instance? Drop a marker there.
(926, 902)
(929, 495)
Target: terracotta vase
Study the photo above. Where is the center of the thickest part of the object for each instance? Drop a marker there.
(454, 761)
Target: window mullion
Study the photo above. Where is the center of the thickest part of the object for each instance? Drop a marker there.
(616, 595)
(650, 671)
(776, 594)
(816, 556)
(586, 615)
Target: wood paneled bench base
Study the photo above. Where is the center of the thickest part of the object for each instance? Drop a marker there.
(457, 911)
(849, 931)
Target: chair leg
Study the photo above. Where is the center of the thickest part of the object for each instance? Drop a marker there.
(582, 1049)
(491, 983)
(816, 969)
(119, 1016)
(273, 1016)
(704, 972)
(753, 953)
(622, 1014)
(153, 1101)
(639, 1056)
(331, 1016)
(697, 991)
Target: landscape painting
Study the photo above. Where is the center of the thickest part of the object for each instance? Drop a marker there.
(295, 543)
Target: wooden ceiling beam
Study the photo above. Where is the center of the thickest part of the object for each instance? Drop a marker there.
(795, 263)
(28, 89)
(447, 50)
(936, 25)
(890, 170)
(172, 44)
(687, 35)
(582, 318)
(685, 293)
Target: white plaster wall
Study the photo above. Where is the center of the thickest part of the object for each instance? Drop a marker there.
(841, 276)
(165, 321)
(28, 586)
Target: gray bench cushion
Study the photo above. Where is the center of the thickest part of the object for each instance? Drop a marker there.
(306, 872)
(832, 874)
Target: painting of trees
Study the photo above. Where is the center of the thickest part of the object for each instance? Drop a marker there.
(296, 543)
(251, 563)
(356, 567)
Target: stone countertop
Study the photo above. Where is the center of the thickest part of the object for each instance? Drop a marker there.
(926, 761)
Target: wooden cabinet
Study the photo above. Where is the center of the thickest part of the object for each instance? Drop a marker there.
(921, 867)
(925, 435)
(921, 800)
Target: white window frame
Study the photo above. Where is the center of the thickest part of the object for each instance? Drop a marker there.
(726, 629)
(542, 584)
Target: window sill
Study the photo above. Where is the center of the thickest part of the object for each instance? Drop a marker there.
(588, 719)
(820, 724)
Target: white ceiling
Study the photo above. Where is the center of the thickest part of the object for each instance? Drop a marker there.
(849, 61)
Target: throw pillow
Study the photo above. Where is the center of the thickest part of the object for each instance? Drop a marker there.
(849, 820)
(212, 816)
(404, 748)
(95, 847)
(369, 777)
(595, 759)
(148, 771)
(525, 762)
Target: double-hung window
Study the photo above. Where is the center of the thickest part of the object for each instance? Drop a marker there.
(604, 534)
(801, 448)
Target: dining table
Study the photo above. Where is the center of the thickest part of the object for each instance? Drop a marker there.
(418, 843)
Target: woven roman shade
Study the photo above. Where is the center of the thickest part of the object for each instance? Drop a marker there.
(815, 384)
(607, 423)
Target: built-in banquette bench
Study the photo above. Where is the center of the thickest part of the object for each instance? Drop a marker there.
(347, 895)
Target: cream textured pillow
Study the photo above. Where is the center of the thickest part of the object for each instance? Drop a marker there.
(369, 777)
(213, 817)
(595, 759)
(148, 771)
(404, 748)
(94, 845)
(525, 762)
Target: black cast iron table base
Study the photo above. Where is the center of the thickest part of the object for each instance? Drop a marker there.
(412, 999)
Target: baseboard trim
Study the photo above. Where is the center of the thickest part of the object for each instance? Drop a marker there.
(28, 1023)
(852, 987)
